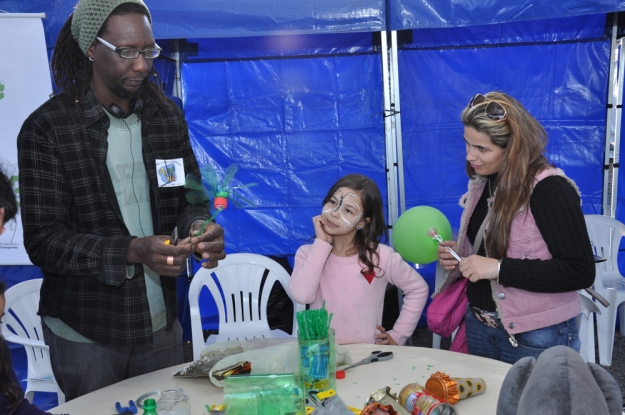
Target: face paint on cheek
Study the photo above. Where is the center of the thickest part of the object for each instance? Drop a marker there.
(330, 210)
(338, 206)
(352, 223)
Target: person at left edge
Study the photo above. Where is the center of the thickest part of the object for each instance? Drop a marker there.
(12, 400)
(102, 167)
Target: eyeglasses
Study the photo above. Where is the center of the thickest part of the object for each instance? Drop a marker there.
(494, 110)
(132, 53)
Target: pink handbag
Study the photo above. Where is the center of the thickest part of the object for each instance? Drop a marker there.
(448, 308)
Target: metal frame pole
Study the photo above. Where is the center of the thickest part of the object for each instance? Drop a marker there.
(613, 123)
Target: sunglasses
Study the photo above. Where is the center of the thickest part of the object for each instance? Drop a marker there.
(494, 111)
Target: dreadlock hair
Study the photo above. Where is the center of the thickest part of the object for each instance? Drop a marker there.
(71, 68)
(9, 387)
(369, 237)
(523, 140)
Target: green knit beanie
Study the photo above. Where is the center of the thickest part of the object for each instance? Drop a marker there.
(90, 15)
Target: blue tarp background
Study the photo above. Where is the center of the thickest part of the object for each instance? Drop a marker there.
(291, 91)
(294, 126)
(421, 14)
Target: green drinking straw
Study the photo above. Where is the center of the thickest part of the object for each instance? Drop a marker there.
(313, 324)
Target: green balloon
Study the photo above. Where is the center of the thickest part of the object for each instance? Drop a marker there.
(412, 234)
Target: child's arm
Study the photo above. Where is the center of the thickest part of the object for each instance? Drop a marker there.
(415, 291)
(306, 276)
(384, 337)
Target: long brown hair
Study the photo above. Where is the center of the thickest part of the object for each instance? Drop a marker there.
(9, 387)
(369, 237)
(523, 140)
(72, 69)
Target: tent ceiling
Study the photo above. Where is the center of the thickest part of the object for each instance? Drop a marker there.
(235, 18)
(238, 18)
(246, 18)
(421, 14)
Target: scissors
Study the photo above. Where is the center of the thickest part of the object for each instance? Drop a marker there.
(173, 239)
(375, 356)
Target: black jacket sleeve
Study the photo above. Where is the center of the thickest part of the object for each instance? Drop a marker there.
(555, 205)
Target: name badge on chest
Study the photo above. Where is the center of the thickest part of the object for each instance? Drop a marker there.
(170, 172)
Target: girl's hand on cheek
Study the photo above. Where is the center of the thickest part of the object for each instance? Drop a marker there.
(320, 232)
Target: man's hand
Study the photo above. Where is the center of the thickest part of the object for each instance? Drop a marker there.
(162, 258)
(209, 245)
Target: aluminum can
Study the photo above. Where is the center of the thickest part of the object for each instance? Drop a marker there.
(418, 401)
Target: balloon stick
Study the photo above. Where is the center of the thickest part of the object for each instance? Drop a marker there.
(433, 233)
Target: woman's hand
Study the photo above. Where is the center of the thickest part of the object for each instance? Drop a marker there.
(446, 259)
(476, 267)
(320, 232)
(384, 337)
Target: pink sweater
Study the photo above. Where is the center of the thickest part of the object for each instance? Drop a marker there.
(356, 304)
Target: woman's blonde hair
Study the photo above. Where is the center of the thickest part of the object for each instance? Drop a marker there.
(523, 140)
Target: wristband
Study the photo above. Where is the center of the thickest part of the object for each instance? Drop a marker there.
(498, 269)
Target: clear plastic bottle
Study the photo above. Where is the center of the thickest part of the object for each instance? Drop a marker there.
(149, 407)
(174, 402)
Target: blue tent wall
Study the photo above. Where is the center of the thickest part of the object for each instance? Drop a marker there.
(418, 14)
(562, 82)
(244, 103)
(294, 126)
(557, 69)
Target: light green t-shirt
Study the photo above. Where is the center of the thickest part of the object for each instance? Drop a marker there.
(124, 160)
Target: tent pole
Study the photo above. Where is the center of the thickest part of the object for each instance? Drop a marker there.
(389, 135)
(178, 77)
(613, 123)
(397, 120)
(392, 133)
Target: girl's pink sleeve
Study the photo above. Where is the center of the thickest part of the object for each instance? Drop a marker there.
(415, 291)
(306, 276)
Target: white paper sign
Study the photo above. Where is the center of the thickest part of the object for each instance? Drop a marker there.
(25, 84)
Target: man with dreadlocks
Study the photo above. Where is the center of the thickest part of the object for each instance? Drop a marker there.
(102, 167)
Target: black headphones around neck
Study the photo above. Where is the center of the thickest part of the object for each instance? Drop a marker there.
(136, 105)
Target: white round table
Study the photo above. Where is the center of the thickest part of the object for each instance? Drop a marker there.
(408, 365)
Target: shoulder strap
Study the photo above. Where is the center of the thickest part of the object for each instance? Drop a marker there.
(480, 235)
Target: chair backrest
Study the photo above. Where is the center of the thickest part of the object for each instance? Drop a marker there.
(587, 305)
(22, 325)
(605, 235)
(237, 287)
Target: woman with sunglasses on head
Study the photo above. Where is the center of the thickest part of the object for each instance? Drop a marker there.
(532, 249)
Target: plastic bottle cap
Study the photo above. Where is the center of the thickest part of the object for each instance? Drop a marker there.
(340, 374)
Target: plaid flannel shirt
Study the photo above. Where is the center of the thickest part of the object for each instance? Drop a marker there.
(73, 227)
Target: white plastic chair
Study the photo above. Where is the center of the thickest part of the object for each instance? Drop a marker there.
(243, 306)
(22, 326)
(605, 235)
(586, 323)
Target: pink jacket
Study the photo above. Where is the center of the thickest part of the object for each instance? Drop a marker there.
(357, 304)
(519, 310)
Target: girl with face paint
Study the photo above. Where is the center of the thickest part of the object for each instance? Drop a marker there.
(349, 268)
